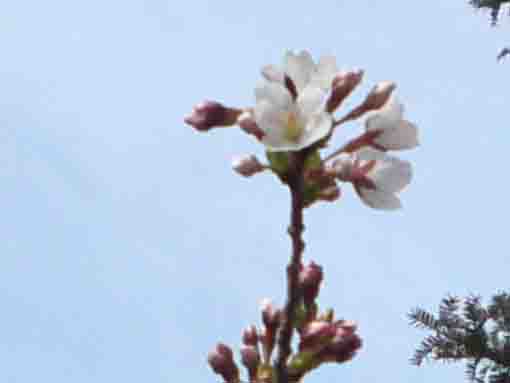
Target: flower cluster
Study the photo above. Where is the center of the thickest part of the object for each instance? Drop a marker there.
(322, 339)
(294, 111)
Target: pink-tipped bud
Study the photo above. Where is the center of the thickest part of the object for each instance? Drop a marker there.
(210, 114)
(330, 194)
(378, 96)
(247, 166)
(344, 344)
(270, 315)
(251, 360)
(310, 279)
(343, 84)
(221, 360)
(250, 336)
(315, 334)
(247, 123)
(267, 338)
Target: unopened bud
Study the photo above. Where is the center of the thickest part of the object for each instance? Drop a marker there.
(378, 96)
(330, 194)
(251, 360)
(247, 123)
(210, 114)
(250, 336)
(310, 279)
(315, 334)
(343, 84)
(221, 360)
(247, 166)
(267, 338)
(270, 315)
(344, 344)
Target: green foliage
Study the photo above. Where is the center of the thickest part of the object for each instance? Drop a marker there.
(467, 331)
(493, 6)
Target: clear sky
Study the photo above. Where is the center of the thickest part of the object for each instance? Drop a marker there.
(128, 247)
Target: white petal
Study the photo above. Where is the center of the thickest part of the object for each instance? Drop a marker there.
(310, 100)
(370, 154)
(403, 136)
(386, 117)
(269, 117)
(275, 93)
(379, 199)
(272, 73)
(299, 68)
(318, 126)
(391, 175)
(273, 121)
(326, 71)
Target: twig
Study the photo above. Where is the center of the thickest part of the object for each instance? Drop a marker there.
(296, 228)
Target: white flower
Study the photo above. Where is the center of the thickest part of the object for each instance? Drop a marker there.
(395, 133)
(376, 177)
(303, 71)
(288, 124)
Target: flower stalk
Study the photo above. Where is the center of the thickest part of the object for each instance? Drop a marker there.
(296, 228)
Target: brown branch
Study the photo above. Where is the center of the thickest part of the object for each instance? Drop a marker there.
(296, 228)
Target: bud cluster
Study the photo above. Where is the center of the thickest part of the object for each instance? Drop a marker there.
(322, 338)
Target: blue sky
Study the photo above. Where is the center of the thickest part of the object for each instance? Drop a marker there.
(129, 247)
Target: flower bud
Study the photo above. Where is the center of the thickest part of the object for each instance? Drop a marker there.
(221, 360)
(247, 123)
(251, 360)
(250, 336)
(330, 194)
(343, 84)
(315, 334)
(247, 166)
(344, 344)
(270, 315)
(310, 279)
(210, 114)
(377, 97)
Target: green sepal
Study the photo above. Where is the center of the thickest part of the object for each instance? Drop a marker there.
(265, 372)
(302, 362)
(300, 316)
(278, 161)
(313, 160)
(310, 193)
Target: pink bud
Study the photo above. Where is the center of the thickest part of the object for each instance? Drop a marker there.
(247, 166)
(270, 315)
(221, 360)
(210, 114)
(343, 84)
(380, 94)
(250, 336)
(310, 279)
(330, 194)
(344, 344)
(377, 97)
(315, 334)
(251, 360)
(268, 339)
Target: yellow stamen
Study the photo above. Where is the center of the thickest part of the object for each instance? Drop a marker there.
(294, 128)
